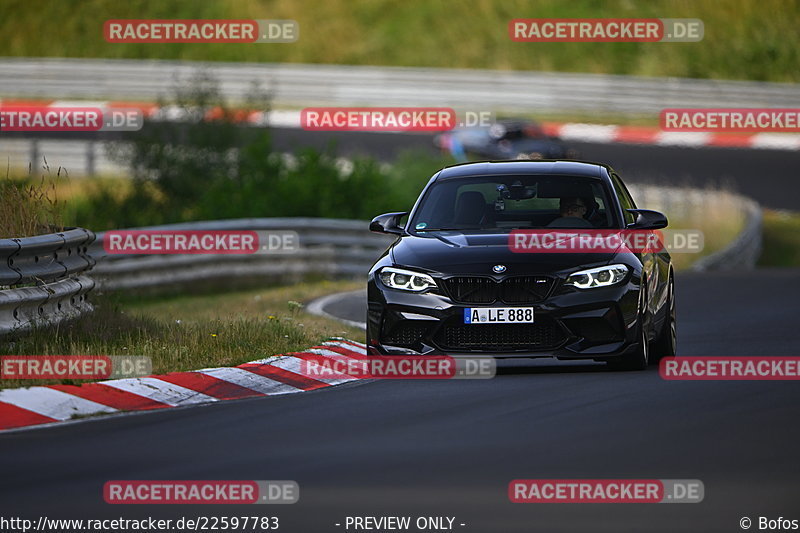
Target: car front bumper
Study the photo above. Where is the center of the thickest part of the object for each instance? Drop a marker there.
(597, 323)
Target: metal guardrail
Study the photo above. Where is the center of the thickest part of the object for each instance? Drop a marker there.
(327, 247)
(302, 84)
(345, 248)
(81, 157)
(744, 250)
(42, 279)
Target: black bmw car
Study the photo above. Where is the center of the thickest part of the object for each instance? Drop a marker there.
(451, 284)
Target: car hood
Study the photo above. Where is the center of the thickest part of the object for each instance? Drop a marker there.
(476, 254)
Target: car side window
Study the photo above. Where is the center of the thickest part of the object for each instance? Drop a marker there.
(625, 200)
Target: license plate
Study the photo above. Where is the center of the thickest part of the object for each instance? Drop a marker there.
(498, 315)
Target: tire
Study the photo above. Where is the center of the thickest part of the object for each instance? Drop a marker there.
(666, 343)
(639, 359)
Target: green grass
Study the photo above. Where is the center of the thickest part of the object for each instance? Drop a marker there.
(191, 332)
(781, 245)
(30, 205)
(744, 39)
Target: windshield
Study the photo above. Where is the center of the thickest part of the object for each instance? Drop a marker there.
(505, 203)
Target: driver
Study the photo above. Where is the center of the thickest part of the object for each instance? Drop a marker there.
(572, 211)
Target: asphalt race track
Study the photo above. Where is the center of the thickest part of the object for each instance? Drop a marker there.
(768, 176)
(450, 448)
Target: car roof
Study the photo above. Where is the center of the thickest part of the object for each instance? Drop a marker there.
(548, 167)
(515, 123)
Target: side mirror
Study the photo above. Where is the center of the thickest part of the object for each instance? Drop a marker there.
(647, 219)
(388, 223)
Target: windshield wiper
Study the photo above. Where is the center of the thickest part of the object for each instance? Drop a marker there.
(445, 229)
(495, 228)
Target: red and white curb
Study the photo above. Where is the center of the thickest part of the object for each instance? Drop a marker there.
(278, 374)
(654, 136)
(595, 133)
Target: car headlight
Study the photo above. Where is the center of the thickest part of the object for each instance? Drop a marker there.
(406, 280)
(597, 277)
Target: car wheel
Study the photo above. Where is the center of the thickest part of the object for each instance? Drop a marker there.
(667, 341)
(639, 359)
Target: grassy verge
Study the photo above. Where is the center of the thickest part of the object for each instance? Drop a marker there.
(744, 39)
(191, 332)
(781, 246)
(30, 206)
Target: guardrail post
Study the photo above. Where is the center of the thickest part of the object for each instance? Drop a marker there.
(34, 153)
(90, 158)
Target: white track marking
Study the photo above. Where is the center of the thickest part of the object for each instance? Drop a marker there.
(775, 141)
(683, 138)
(360, 349)
(250, 380)
(296, 365)
(588, 132)
(52, 403)
(160, 391)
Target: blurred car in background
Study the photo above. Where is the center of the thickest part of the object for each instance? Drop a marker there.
(502, 140)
